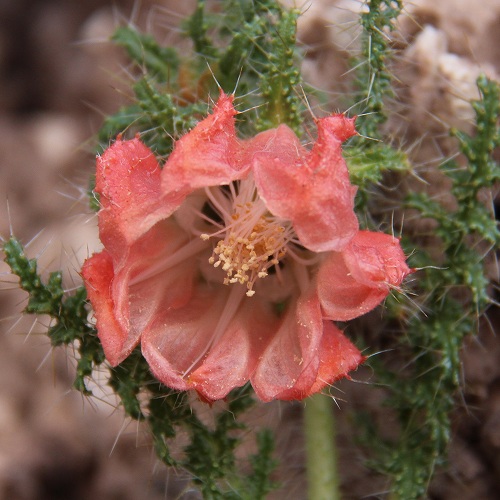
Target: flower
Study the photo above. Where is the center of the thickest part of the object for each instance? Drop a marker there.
(230, 263)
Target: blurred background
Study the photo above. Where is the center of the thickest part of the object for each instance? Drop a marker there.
(59, 76)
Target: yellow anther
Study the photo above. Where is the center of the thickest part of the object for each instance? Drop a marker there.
(251, 242)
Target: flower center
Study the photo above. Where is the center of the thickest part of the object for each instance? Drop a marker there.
(252, 240)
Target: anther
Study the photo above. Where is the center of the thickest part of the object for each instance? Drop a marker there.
(251, 242)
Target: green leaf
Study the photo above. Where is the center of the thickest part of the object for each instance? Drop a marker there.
(159, 62)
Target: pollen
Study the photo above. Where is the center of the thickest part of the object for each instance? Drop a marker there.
(252, 241)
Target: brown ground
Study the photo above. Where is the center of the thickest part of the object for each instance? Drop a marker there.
(57, 79)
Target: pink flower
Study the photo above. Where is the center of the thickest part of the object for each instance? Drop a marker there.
(230, 263)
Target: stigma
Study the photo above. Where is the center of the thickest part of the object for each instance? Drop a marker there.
(251, 241)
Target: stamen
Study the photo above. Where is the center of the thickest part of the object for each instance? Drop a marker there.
(253, 239)
(185, 252)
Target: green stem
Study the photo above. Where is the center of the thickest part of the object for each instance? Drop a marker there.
(322, 474)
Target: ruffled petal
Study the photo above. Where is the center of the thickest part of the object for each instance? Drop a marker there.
(98, 274)
(227, 365)
(212, 344)
(289, 364)
(128, 182)
(312, 189)
(376, 259)
(209, 155)
(355, 281)
(338, 356)
(156, 274)
(179, 339)
(233, 358)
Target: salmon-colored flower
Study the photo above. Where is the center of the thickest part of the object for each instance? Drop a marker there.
(230, 263)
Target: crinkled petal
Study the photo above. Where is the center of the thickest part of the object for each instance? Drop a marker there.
(376, 259)
(355, 281)
(128, 182)
(233, 358)
(342, 297)
(208, 155)
(193, 347)
(152, 266)
(178, 341)
(98, 274)
(226, 366)
(127, 295)
(289, 364)
(338, 356)
(312, 189)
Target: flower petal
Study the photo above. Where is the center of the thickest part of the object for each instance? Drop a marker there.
(98, 274)
(376, 259)
(128, 181)
(127, 293)
(233, 358)
(355, 281)
(212, 344)
(289, 364)
(176, 343)
(311, 189)
(152, 269)
(208, 155)
(226, 366)
(338, 356)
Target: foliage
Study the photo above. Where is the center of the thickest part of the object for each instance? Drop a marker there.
(253, 48)
(425, 400)
(67, 312)
(422, 394)
(373, 77)
(368, 160)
